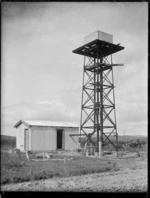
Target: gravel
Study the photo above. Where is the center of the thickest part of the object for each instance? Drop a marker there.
(126, 180)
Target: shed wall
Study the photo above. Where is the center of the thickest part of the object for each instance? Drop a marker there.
(20, 143)
(43, 138)
(70, 141)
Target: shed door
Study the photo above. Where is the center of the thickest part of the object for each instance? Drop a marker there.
(59, 139)
(26, 138)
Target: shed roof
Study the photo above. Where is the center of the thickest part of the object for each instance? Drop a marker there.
(45, 123)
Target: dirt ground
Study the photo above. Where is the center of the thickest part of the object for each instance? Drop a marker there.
(124, 180)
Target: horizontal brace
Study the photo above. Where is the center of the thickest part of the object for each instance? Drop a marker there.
(88, 127)
(91, 127)
(105, 68)
(98, 70)
(104, 85)
(107, 127)
(77, 135)
(117, 64)
(87, 107)
(108, 106)
(96, 83)
(110, 127)
(101, 66)
(110, 86)
(87, 88)
(110, 133)
(94, 65)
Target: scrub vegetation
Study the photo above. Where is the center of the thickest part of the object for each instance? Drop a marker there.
(16, 168)
(8, 142)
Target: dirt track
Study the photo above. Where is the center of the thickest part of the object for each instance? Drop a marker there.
(126, 180)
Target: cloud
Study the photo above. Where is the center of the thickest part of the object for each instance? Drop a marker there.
(42, 110)
(132, 128)
(21, 10)
(55, 103)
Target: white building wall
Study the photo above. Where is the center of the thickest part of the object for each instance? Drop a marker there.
(20, 137)
(70, 142)
(43, 138)
(30, 138)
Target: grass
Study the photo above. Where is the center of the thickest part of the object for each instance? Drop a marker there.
(16, 168)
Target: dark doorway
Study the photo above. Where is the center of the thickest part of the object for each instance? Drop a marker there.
(26, 139)
(59, 138)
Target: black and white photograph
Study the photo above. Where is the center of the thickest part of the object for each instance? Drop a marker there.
(74, 97)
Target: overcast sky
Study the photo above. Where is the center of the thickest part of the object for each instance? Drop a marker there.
(42, 78)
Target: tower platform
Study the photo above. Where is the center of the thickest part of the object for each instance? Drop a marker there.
(90, 49)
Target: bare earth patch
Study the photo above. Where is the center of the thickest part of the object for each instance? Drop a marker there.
(127, 180)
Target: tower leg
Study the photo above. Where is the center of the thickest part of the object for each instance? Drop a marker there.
(101, 110)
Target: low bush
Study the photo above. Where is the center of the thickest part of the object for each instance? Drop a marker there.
(13, 160)
(8, 142)
(124, 143)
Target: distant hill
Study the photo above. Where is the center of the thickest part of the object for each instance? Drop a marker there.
(8, 142)
(129, 137)
(121, 138)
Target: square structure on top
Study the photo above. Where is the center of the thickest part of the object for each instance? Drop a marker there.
(98, 35)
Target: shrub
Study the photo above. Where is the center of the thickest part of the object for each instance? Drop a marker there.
(115, 167)
(138, 154)
(79, 149)
(8, 142)
(138, 143)
(13, 160)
